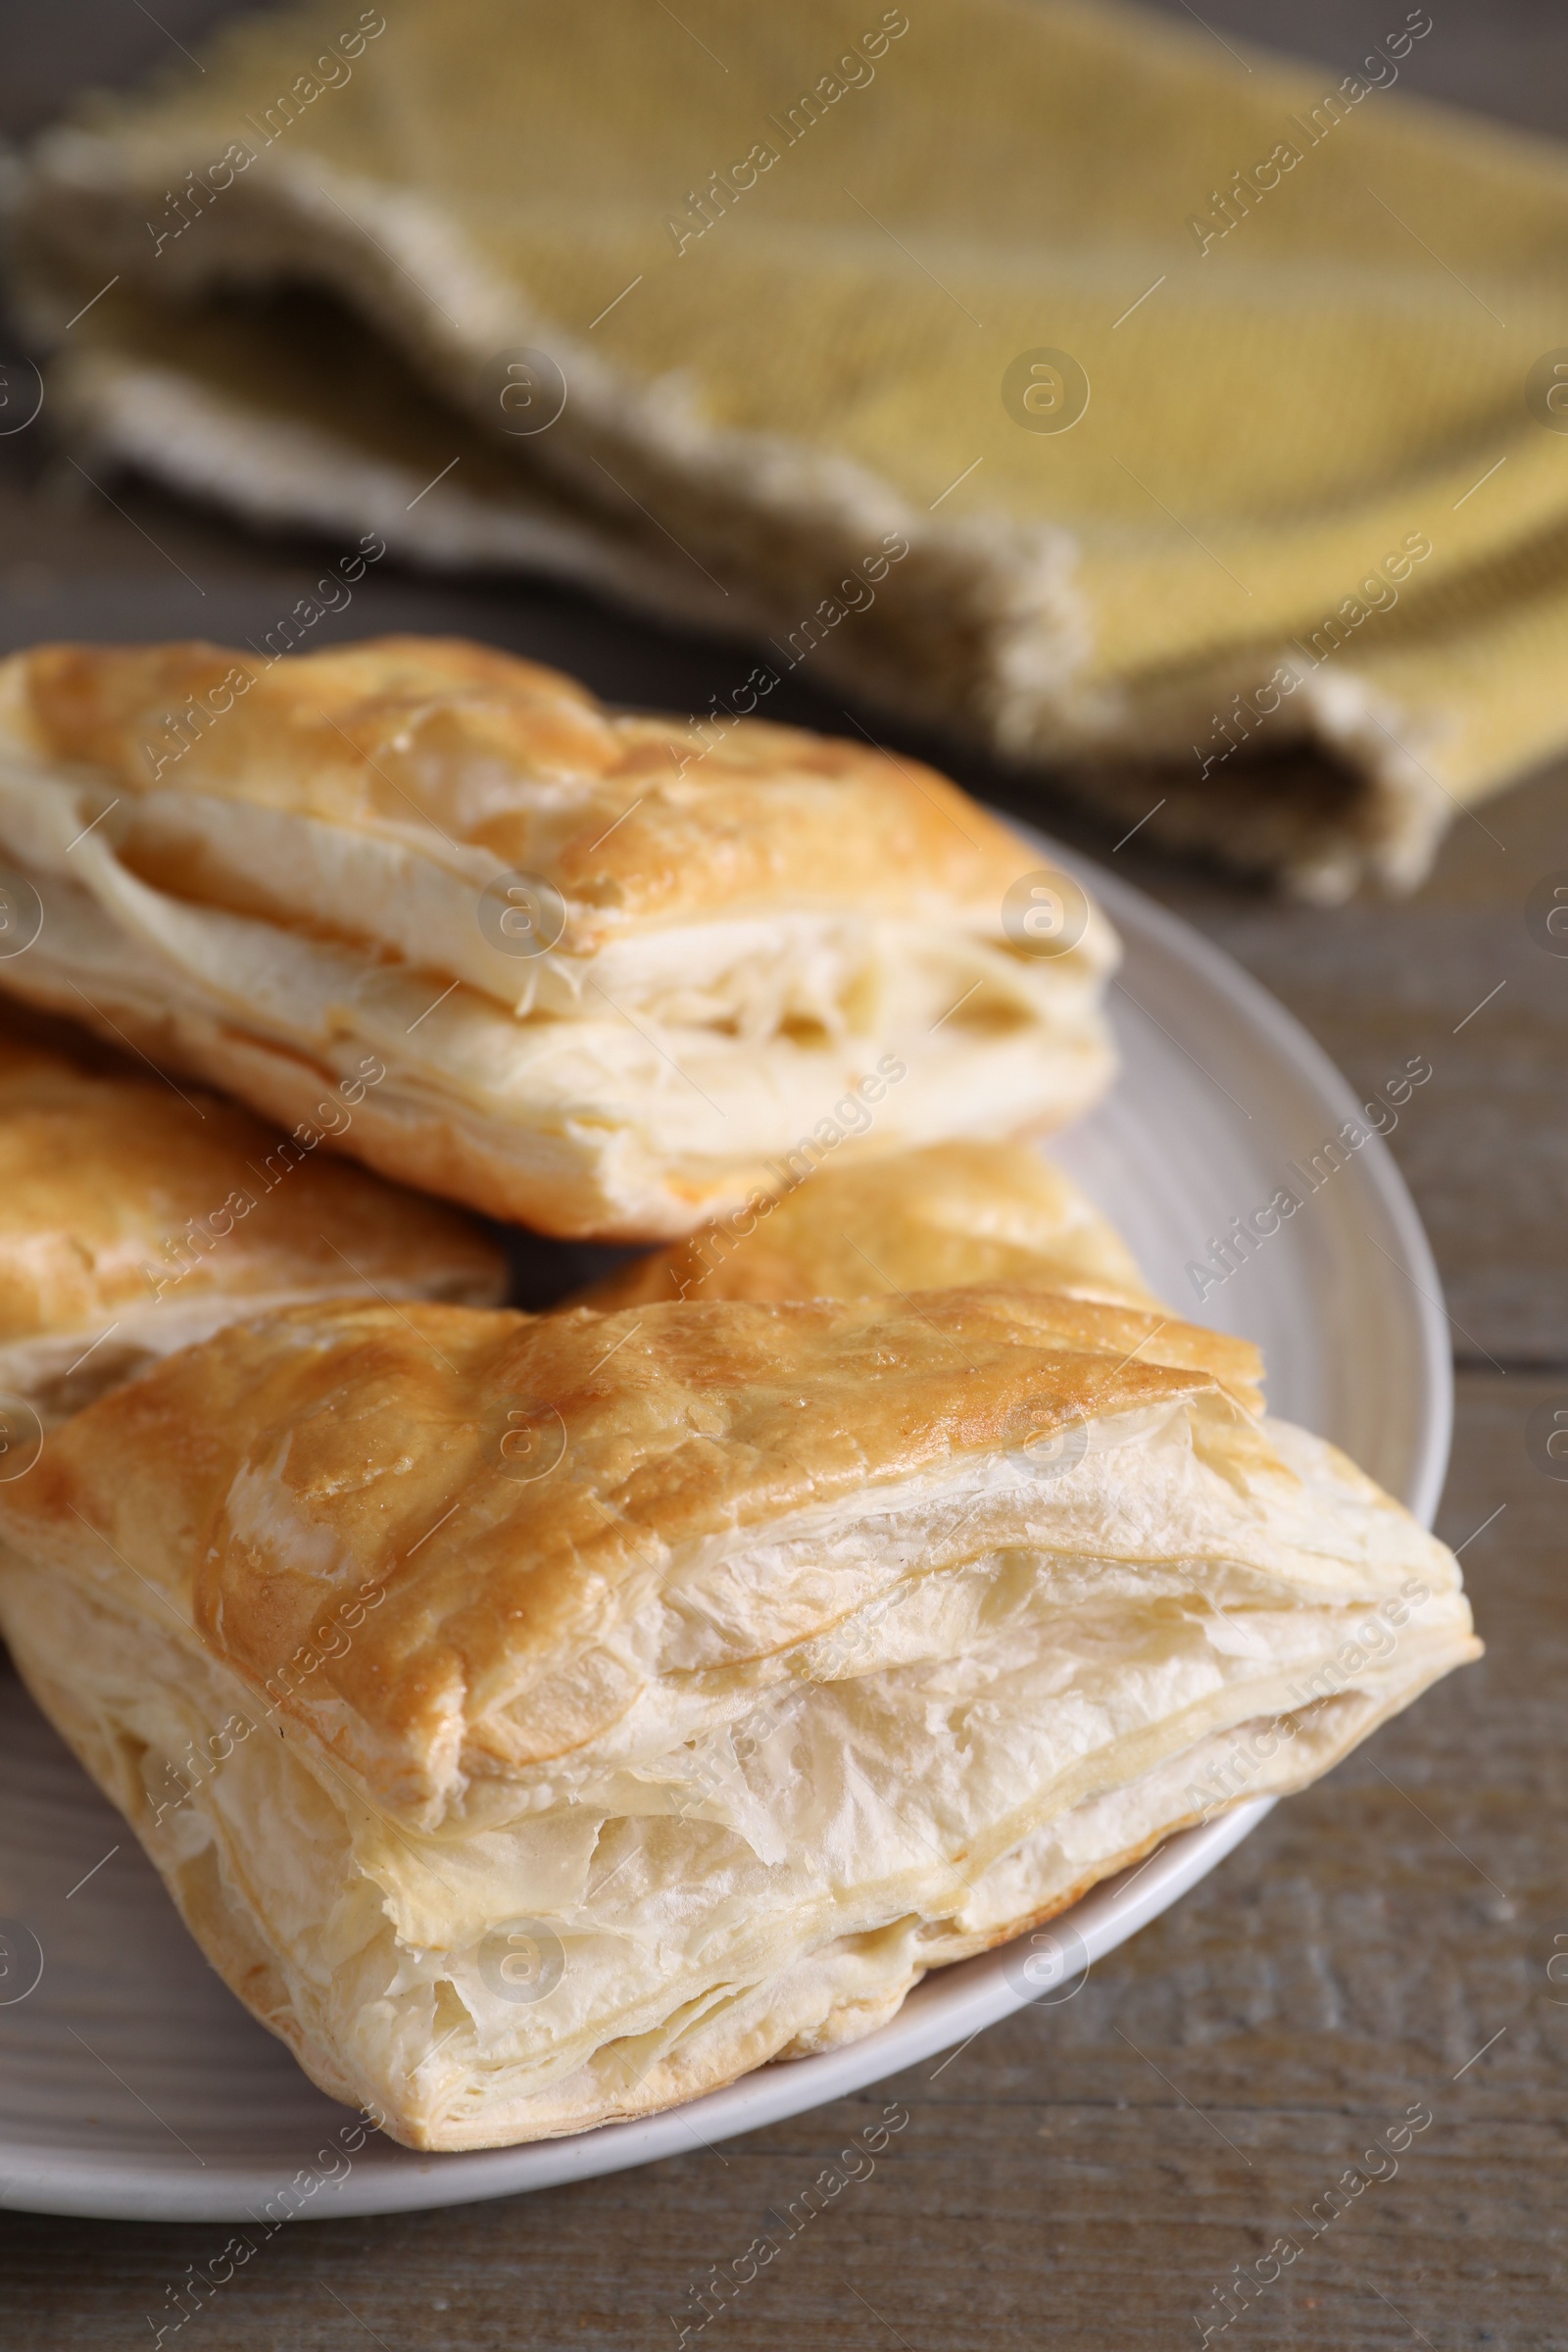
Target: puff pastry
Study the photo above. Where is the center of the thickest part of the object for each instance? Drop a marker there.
(624, 974)
(665, 1692)
(137, 1218)
(927, 1220)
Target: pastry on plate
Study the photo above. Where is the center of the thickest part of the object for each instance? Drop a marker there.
(925, 1220)
(543, 1720)
(624, 972)
(137, 1217)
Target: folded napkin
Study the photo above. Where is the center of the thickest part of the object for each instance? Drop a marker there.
(1186, 423)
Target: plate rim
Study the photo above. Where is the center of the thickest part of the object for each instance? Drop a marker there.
(951, 2004)
(1423, 1490)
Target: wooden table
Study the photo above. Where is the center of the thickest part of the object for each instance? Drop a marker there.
(1086, 2174)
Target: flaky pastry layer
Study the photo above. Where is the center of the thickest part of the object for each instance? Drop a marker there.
(581, 1528)
(137, 1218)
(901, 1624)
(952, 1214)
(616, 972)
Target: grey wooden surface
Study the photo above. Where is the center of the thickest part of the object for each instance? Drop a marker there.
(1083, 2175)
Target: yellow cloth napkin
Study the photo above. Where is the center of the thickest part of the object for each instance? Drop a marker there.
(1144, 410)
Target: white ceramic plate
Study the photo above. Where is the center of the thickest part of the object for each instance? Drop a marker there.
(133, 2085)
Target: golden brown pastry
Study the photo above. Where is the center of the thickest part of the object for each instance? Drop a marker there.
(540, 1721)
(928, 1220)
(137, 1218)
(625, 973)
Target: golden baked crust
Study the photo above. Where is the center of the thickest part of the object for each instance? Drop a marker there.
(365, 735)
(135, 1218)
(623, 973)
(953, 1214)
(540, 1721)
(638, 1436)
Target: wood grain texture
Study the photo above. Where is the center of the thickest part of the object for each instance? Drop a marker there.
(1084, 2176)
